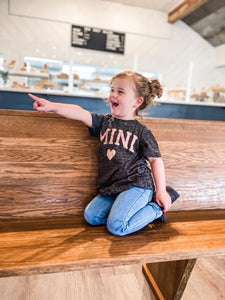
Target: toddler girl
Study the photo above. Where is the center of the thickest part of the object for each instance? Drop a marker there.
(130, 194)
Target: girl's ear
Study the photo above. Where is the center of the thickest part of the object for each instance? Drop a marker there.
(139, 101)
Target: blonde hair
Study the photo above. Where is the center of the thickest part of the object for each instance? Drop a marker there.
(145, 88)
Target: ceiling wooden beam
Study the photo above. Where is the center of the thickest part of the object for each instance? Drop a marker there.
(184, 9)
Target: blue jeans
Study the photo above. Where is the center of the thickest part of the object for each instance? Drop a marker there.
(124, 213)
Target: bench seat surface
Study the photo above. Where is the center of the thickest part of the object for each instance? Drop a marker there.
(63, 244)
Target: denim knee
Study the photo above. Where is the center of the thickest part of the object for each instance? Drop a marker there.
(93, 219)
(115, 227)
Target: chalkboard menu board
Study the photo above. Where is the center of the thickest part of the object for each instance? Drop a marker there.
(97, 39)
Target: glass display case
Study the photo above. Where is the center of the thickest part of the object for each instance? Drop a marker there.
(48, 75)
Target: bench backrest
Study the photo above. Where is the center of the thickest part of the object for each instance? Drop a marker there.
(48, 164)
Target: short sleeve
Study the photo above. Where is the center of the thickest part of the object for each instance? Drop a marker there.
(149, 145)
(97, 121)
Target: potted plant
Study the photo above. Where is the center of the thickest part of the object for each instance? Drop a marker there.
(4, 75)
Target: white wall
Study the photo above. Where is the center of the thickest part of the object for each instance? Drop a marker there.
(220, 56)
(42, 28)
(99, 13)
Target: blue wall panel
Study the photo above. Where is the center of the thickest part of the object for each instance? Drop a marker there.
(21, 101)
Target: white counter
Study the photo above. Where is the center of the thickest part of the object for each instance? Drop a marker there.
(81, 93)
(97, 95)
(166, 101)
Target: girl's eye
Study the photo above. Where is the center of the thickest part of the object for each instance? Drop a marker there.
(118, 91)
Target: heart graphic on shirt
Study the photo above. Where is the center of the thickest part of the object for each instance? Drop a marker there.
(111, 153)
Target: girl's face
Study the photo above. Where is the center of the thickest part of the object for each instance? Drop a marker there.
(123, 98)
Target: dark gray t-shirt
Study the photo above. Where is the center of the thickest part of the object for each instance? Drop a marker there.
(124, 147)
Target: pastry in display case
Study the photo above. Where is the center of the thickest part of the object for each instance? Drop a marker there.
(177, 93)
(84, 87)
(48, 84)
(24, 68)
(17, 85)
(195, 96)
(97, 78)
(218, 93)
(201, 97)
(38, 86)
(45, 69)
(76, 76)
(12, 63)
(33, 70)
(63, 76)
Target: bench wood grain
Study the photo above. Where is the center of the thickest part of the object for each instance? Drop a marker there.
(48, 173)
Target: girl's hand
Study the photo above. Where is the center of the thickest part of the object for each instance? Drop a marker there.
(163, 199)
(71, 111)
(41, 104)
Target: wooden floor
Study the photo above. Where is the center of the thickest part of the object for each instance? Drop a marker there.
(207, 282)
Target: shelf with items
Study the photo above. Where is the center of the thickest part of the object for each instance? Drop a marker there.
(32, 80)
(85, 78)
(24, 77)
(97, 86)
(203, 96)
(214, 94)
(28, 74)
(56, 86)
(47, 75)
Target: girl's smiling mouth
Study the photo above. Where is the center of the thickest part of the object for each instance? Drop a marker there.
(114, 104)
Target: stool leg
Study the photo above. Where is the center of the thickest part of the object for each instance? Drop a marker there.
(168, 279)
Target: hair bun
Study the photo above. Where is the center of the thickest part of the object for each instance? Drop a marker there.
(156, 87)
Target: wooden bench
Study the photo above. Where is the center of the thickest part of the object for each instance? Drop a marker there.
(48, 171)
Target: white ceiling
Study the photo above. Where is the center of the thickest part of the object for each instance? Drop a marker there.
(160, 5)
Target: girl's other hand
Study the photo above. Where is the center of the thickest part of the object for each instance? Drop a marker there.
(41, 104)
(163, 199)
